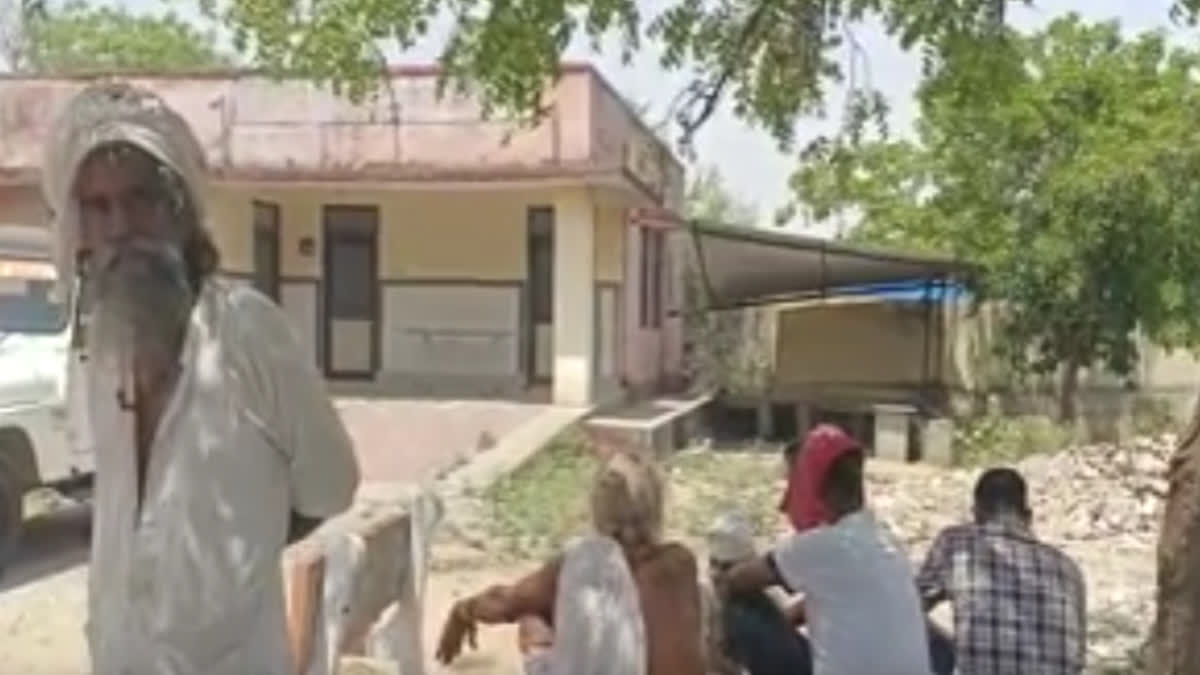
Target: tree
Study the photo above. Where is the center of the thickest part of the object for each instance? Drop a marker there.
(774, 58)
(79, 38)
(725, 349)
(1064, 171)
(1067, 169)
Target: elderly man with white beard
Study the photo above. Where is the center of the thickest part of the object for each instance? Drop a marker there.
(216, 443)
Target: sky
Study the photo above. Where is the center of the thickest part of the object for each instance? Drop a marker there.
(754, 170)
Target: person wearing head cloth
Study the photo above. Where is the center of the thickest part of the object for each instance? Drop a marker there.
(862, 609)
(618, 601)
(217, 441)
(748, 632)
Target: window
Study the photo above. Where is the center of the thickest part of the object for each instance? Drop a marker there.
(266, 249)
(652, 263)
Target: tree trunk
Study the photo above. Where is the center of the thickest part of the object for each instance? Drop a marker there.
(1174, 647)
(1068, 392)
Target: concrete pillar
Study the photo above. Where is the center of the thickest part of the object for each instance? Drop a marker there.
(574, 299)
(765, 420)
(937, 441)
(891, 432)
(804, 420)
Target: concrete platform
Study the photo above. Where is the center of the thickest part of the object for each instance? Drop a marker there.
(417, 440)
(662, 425)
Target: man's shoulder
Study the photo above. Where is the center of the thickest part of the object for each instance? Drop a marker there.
(245, 308)
(1060, 561)
(958, 533)
(241, 298)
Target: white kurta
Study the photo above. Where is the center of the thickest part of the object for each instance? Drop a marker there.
(192, 584)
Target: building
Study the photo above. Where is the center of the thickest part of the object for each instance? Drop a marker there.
(419, 248)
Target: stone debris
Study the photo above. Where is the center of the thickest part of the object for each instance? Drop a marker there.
(1102, 503)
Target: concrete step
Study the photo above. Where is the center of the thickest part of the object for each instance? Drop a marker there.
(662, 425)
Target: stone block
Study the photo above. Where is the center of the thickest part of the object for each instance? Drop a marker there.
(937, 441)
(891, 432)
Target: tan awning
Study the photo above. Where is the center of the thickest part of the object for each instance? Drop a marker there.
(744, 266)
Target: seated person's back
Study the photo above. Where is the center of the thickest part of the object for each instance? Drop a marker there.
(1019, 603)
(669, 590)
(863, 612)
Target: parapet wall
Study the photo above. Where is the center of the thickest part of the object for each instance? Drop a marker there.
(356, 588)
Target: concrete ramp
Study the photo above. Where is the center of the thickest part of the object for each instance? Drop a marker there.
(514, 449)
(416, 440)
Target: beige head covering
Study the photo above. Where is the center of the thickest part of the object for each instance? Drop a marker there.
(731, 539)
(102, 114)
(627, 499)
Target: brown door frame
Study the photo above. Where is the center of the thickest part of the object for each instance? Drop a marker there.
(371, 238)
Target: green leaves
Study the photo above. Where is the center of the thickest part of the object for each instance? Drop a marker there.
(77, 38)
(1064, 164)
(771, 60)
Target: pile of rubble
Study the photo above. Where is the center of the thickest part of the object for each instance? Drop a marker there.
(1102, 503)
(1098, 491)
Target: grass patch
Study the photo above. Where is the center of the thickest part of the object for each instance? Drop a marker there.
(532, 512)
(993, 439)
(705, 484)
(537, 508)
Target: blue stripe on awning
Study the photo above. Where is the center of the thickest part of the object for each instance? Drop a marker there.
(911, 291)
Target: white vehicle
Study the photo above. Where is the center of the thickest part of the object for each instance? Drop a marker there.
(37, 446)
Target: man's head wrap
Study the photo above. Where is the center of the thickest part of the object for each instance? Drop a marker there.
(106, 114)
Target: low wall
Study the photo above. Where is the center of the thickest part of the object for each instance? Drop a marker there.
(355, 589)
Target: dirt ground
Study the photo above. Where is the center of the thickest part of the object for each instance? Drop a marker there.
(495, 536)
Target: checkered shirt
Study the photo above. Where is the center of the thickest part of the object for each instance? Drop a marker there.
(1019, 604)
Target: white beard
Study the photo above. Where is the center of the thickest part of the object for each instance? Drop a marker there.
(141, 304)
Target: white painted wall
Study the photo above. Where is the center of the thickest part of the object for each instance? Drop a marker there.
(451, 329)
(299, 301)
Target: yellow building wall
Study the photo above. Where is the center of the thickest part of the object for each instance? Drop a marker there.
(610, 243)
(851, 342)
(423, 235)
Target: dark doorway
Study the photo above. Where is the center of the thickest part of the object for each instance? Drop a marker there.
(539, 328)
(266, 249)
(351, 281)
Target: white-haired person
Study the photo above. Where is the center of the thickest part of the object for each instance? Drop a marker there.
(216, 441)
(617, 601)
(752, 632)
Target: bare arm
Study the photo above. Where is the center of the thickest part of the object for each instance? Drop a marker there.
(532, 594)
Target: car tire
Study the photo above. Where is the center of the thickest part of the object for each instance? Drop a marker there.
(12, 516)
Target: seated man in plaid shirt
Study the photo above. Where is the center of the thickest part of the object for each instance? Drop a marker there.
(1019, 604)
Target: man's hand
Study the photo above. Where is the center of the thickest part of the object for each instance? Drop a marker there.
(459, 626)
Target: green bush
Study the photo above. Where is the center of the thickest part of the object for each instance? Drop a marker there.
(1152, 416)
(994, 439)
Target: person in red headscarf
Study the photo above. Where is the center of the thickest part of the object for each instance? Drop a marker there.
(854, 575)
(808, 463)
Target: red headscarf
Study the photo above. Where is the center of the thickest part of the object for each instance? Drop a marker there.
(802, 499)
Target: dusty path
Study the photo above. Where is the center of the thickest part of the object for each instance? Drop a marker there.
(42, 598)
(43, 594)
